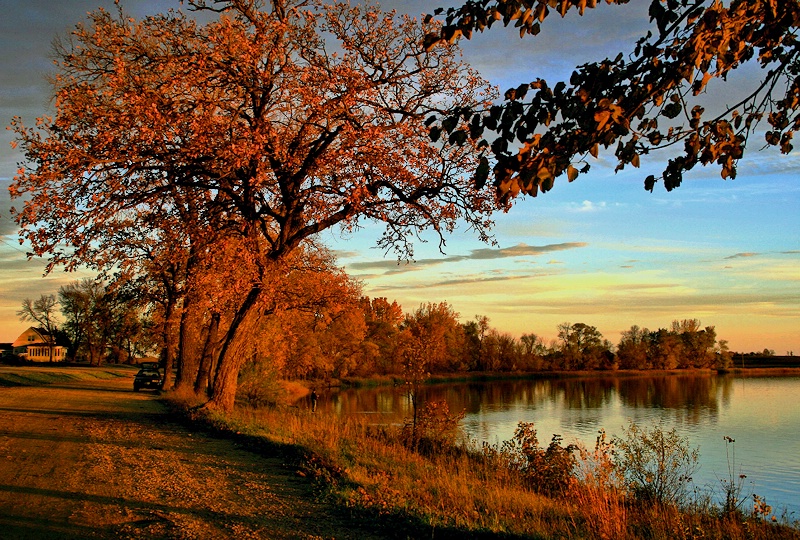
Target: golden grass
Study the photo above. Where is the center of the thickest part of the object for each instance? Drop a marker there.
(366, 468)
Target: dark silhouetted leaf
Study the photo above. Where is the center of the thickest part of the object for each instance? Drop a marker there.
(482, 173)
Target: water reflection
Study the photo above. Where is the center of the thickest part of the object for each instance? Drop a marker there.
(698, 396)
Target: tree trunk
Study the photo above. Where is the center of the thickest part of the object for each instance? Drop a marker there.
(232, 355)
(202, 384)
(170, 334)
(188, 358)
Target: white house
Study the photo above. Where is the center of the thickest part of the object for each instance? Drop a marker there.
(33, 345)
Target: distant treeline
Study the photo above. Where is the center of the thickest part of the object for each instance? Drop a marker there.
(374, 337)
(351, 335)
(761, 360)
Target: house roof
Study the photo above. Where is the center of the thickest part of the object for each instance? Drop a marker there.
(36, 333)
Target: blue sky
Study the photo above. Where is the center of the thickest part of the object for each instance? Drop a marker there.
(601, 250)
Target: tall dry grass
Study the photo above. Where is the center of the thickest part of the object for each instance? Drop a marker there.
(472, 488)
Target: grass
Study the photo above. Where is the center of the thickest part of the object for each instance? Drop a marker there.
(45, 374)
(472, 491)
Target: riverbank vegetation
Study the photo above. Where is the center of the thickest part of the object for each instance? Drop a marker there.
(437, 483)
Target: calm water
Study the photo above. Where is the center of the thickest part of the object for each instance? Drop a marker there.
(762, 414)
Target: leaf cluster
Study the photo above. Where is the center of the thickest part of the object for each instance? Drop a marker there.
(638, 102)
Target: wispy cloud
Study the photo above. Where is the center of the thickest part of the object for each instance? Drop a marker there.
(483, 254)
(761, 256)
(743, 255)
(467, 280)
(780, 304)
(589, 206)
(641, 286)
(342, 254)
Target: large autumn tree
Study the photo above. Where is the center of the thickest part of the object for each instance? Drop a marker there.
(648, 98)
(261, 128)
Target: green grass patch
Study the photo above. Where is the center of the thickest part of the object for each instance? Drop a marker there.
(36, 378)
(45, 375)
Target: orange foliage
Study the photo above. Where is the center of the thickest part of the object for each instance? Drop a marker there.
(228, 144)
(265, 132)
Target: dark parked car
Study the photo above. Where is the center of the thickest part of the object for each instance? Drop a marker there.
(149, 365)
(147, 378)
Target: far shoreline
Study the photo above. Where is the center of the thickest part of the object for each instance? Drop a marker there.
(492, 376)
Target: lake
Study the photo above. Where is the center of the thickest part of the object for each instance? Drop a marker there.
(760, 413)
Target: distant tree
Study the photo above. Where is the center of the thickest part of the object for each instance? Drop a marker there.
(80, 304)
(383, 319)
(472, 345)
(664, 349)
(500, 352)
(333, 329)
(582, 346)
(431, 339)
(249, 125)
(698, 343)
(638, 102)
(102, 324)
(42, 312)
(632, 348)
(724, 357)
(533, 351)
(475, 333)
(438, 334)
(380, 311)
(126, 324)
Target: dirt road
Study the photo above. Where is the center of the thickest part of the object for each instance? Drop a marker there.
(96, 460)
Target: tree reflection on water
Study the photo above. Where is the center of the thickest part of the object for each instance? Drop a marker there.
(695, 395)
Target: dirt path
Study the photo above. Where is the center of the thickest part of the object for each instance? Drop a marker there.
(96, 460)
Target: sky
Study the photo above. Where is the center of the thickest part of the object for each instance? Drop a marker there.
(601, 250)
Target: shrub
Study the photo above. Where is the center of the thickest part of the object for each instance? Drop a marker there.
(258, 385)
(546, 470)
(656, 465)
(436, 429)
